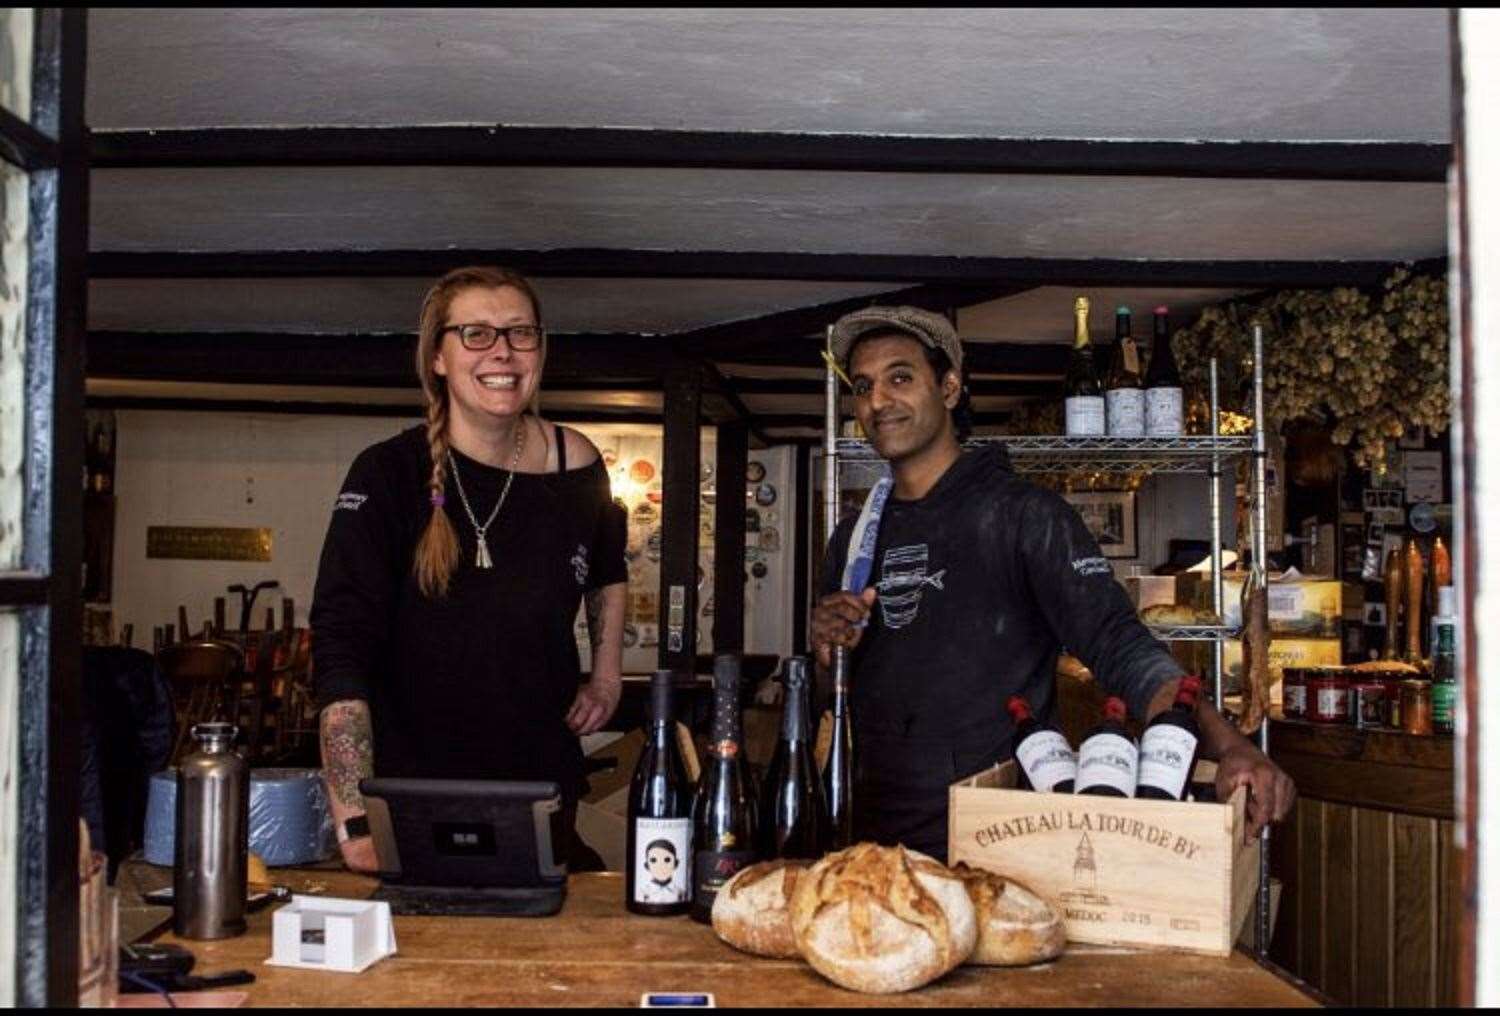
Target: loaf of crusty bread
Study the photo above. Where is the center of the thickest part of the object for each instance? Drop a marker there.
(1178, 614)
(1016, 926)
(882, 919)
(751, 910)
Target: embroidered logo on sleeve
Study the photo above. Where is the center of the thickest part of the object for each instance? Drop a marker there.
(580, 563)
(350, 502)
(1086, 566)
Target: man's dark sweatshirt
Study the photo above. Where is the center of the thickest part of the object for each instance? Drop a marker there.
(980, 585)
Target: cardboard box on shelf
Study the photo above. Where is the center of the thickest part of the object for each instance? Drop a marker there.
(1160, 590)
(1284, 653)
(1308, 605)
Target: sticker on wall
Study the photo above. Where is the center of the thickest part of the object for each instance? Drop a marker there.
(654, 496)
(770, 539)
(646, 512)
(630, 637)
(759, 570)
(701, 576)
(642, 471)
(1423, 517)
(610, 455)
(643, 607)
(708, 606)
(653, 546)
(755, 471)
(648, 636)
(771, 516)
(765, 495)
(706, 474)
(752, 520)
(754, 553)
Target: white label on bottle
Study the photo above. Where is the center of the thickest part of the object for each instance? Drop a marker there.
(1085, 416)
(1107, 760)
(1166, 758)
(1047, 760)
(663, 859)
(1295, 697)
(1164, 412)
(1333, 702)
(1126, 409)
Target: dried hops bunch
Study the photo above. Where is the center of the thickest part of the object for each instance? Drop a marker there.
(1372, 367)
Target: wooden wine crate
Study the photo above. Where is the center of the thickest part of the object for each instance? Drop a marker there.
(1150, 874)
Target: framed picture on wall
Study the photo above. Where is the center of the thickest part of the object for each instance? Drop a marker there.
(1110, 517)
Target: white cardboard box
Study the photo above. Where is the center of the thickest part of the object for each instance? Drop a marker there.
(326, 933)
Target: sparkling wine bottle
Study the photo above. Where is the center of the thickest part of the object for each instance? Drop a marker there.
(838, 773)
(1124, 399)
(1084, 404)
(659, 824)
(1163, 383)
(1044, 762)
(724, 807)
(1108, 757)
(794, 813)
(1169, 747)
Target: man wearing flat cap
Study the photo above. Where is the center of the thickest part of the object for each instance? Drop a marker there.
(976, 581)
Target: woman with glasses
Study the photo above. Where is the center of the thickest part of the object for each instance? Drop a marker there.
(454, 565)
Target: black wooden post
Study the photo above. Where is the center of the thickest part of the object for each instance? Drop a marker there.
(731, 457)
(679, 521)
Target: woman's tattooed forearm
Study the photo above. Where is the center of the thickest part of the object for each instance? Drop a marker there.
(593, 604)
(348, 750)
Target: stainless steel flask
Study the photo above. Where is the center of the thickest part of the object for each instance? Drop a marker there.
(212, 837)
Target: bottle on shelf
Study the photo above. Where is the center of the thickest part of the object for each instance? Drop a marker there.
(1084, 395)
(1108, 757)
(1163, 382)
(1044, 761)
(724, 806)
(1124, 398)
(794, 813)
(1169, 746)
(1444, 663)
(838, 771)
(659, 824)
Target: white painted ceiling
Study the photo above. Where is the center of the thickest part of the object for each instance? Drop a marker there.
(1254, 74)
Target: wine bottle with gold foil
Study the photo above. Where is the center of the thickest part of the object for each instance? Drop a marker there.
(724, 806)
(1084, 402)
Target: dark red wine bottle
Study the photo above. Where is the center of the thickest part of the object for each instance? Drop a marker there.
(724, 807)
(1169, 747)
(1044, 762)
(794, 813)
(659, 823)
(1108, 757)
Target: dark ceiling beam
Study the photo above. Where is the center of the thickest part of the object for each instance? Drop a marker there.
(1040, 358)
(328, 408)
(500, 145)
(907, 269)
(375, 360)
(978, 387)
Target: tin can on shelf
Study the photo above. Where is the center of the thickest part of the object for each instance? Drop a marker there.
(1327, 695)
(1367, 704)
(1294, 693)
(1416, 707)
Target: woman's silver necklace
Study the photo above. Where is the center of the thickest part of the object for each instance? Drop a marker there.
(482, 556)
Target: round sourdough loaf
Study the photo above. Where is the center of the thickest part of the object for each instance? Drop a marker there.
(882, 919)
(1016, 926)
(751, 910)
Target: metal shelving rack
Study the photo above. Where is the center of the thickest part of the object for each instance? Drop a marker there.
(1208, 453)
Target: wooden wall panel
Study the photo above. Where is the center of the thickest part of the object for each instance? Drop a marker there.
(1449, 886)
(1373, 853)
(1340, 879)
(1415, 911)
(1286, 934)
(1310, 891)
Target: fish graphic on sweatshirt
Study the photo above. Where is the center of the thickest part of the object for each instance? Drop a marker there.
(903, 576)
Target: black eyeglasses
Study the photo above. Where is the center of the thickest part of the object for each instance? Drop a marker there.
(478, 338)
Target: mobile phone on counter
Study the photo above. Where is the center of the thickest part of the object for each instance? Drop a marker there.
(675, 999)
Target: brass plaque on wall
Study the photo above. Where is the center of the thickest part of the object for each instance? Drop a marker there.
(208, 543)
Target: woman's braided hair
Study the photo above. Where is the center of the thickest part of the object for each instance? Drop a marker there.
(437, 551)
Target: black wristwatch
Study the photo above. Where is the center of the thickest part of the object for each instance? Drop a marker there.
(353, 828)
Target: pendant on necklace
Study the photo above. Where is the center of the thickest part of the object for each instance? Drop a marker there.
(482, 558)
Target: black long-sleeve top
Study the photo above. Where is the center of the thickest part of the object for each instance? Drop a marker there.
(476, 684)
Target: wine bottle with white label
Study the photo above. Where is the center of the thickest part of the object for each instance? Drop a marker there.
(1169, 747)
(1084, 402)
(1163, 383)
(1124, 399)
(659, 824)
(1108, 757)
(1044, 762)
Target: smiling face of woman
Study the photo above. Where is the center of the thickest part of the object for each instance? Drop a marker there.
(496, 383)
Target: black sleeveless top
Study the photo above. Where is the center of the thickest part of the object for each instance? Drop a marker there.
(474, 685)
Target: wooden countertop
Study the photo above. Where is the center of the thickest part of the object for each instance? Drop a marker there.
(1406, 773)
(596, 953)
